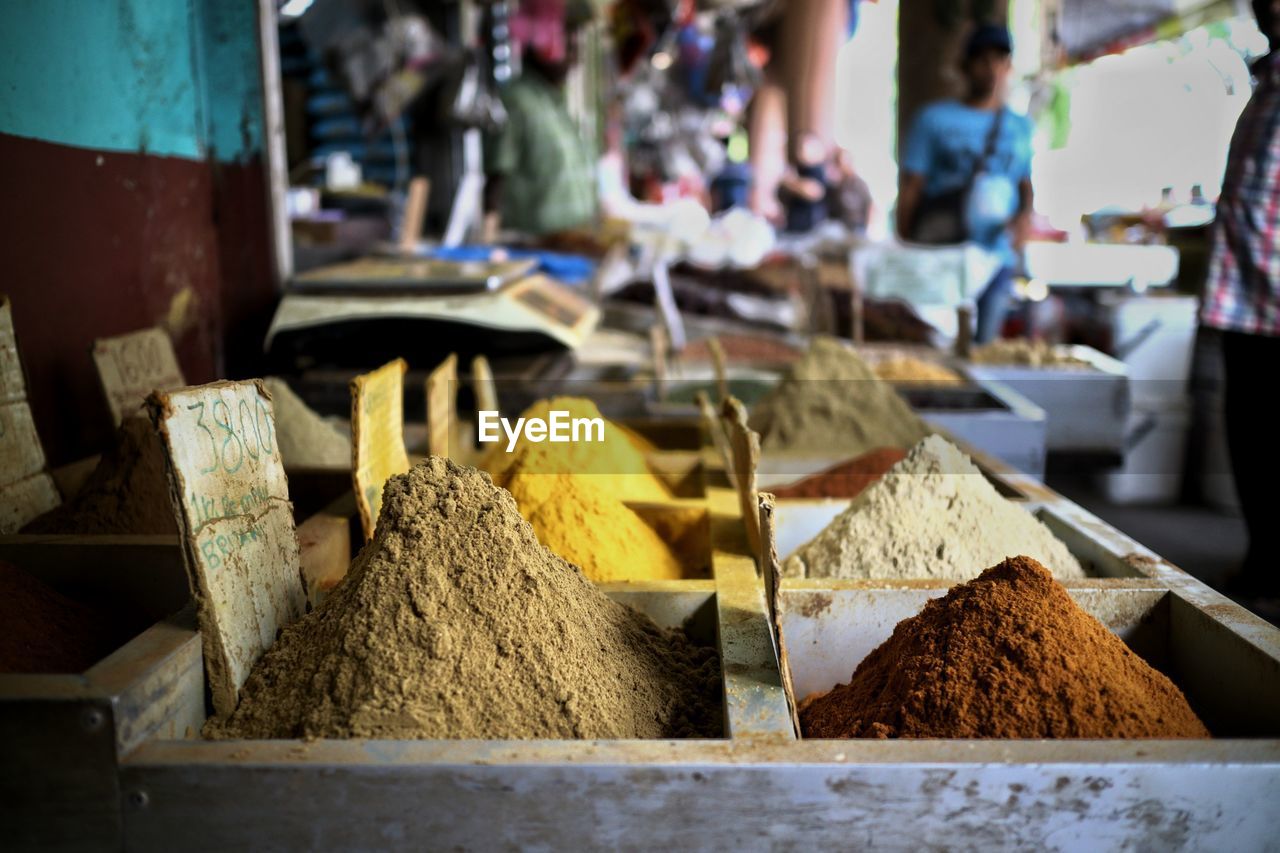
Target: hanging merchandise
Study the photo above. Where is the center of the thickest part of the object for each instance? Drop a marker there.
(384, 63)
(475, 104)
(538, 26)
(731, 76)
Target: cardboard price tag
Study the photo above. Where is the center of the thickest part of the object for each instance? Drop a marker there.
(745, 446)
(442, 405)
(236, 523)
(26, 499)
(26, 489)
(377, 437)
(486, 389)
(21, 453)
(12, 385)
(719, 438)
(132, 366)
(658, 343)
(768, 556)
(415, 209)
(718, 365)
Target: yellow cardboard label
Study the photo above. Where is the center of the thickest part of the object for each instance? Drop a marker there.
(377, 437)
(132, 366)
(486, 389)
(442, 405)
(231, 499)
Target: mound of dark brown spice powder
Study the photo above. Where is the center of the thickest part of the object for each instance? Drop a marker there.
(1007, 655)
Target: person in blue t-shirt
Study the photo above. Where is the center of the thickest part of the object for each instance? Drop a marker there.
(973, 157)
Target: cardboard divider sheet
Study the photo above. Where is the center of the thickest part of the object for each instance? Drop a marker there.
(231, 499)
(486, 389)
(377, 437)
(658, 344)
(772, 572)
(745, 446)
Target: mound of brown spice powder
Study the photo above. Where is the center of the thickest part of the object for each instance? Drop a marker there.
(831, 400)
(1006, 655)
(454, 622)
(847, 479)
(127, 493)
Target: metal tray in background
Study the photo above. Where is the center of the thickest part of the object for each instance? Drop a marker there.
(1087, 407)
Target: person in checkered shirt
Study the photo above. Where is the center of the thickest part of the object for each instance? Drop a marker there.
(1242, 299)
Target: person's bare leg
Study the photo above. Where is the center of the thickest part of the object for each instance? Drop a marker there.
(811, 36)
(767, 138)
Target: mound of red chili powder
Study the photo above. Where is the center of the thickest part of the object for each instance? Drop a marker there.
(847, 479)
(1006, 655)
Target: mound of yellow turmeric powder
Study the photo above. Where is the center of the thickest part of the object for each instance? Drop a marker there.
(618, 462)
(573, 495)
(578, 518)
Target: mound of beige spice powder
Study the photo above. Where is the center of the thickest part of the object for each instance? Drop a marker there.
(306, 439)
(831, 400)
(454, 622)
(933, 515)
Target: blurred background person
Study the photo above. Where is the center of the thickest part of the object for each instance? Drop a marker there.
(1242, 299)
(966, 171)
(540, 174)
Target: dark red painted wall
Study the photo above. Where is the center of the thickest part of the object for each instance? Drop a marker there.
(100, 243)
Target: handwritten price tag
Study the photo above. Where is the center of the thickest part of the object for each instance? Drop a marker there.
(132, 366)
(12, 386)
(232, 501)
(377, 437)
(26, 489)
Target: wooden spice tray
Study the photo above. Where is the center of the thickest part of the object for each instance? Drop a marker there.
(1227, 675)
(468, 793)
(760, 785)
(62, 735)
